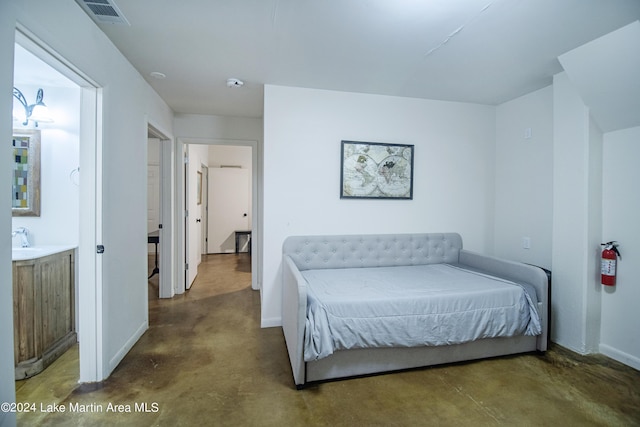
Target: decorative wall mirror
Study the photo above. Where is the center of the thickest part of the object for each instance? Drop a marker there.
(25, 177)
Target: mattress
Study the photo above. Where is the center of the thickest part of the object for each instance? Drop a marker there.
(408, 306)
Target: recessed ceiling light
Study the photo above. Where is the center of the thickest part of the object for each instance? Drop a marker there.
(157, 75)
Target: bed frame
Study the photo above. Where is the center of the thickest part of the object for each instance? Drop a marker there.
(352, 251)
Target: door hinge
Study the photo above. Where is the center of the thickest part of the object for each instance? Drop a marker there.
(186, 160)
(186, 266)
(186, 213)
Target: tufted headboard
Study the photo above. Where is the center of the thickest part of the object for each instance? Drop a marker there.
(372, 250)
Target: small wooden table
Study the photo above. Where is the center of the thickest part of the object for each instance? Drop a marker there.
(243, 233)
(154, 237)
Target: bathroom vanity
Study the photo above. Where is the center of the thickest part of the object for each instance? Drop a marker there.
(43, 307)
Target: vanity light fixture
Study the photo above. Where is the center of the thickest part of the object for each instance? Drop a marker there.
(37, 112)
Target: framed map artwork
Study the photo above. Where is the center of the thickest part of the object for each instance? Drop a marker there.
(374, 170)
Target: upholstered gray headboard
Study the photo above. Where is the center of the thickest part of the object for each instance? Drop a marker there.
(372, 250)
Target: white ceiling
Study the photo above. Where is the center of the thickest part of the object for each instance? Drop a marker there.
(478, 51)
(606, 73)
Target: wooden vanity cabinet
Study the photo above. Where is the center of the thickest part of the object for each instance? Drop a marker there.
(43, 311)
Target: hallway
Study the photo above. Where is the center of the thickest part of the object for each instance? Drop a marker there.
(205, 361)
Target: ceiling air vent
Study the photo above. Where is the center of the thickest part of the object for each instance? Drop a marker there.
(103, 11)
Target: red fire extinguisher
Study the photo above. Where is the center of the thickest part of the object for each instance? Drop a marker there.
(608, 263)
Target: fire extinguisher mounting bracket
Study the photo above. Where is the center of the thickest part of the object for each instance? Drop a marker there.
(612, 246)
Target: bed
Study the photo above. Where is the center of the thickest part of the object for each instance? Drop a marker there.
(363, 304)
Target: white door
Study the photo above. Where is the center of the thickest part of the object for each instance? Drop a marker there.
(193, 220)
(204, 209)
(229, 201)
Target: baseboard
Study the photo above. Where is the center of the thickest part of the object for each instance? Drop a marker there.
(620, 356)
(271, 322)
(117, 358)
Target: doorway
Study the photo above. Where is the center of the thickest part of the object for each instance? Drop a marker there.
(160, 223)
(229, 213)
(77, 100)
(197, 152)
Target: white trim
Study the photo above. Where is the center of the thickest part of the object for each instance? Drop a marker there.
(30, 42)
(620, 356)
(99, 274)
(271, 322)
(167, 256)
(90, 264)
(89, 280)
(168, 277)
(179, 207)
(192, 271)
(256, 235)
(120, 354)
(204, 207)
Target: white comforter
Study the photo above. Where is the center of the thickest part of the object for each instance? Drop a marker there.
(436, 304)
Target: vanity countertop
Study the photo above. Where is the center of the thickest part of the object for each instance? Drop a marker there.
(22, 254)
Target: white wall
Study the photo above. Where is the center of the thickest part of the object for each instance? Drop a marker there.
(59, 157)
(577, 194)
(453, 171)
(563, 180)
(621, 206)
(593, 237)
(8, 15)
(524, 178)
(196, 126)
(229, 155)
(128, 102)
(603, 74)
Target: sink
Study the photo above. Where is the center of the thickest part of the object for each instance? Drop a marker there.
(24, 253)
(20, 254)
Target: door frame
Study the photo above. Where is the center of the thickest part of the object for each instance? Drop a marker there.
(190, 270)
(204, 215)
(89, 267)
(180, 205)
(167, 232)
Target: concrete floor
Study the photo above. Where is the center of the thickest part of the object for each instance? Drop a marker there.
(205, 361)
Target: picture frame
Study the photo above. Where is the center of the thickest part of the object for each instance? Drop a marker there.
(25, 174)
(376, 170)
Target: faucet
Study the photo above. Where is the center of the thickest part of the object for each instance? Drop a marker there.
(24, 234)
